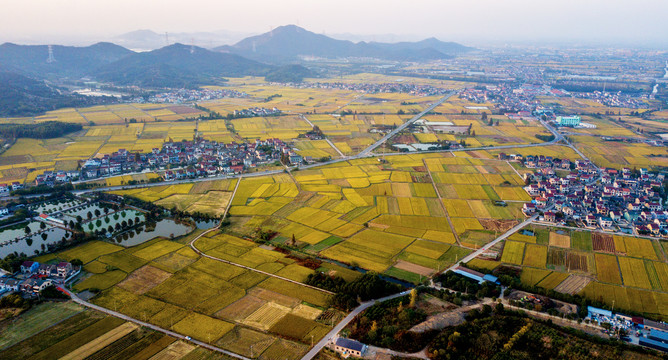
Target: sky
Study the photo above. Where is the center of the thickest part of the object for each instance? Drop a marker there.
(467, 21)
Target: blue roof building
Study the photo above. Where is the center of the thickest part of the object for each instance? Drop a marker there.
(474, 275)
(599, 312)
(658, 335)
(653, 344)
(349, 347)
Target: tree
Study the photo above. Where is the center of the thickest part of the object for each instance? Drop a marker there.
(27, 230)
(42, 225)
(97, 213)
(76, 262)
(414, 297)
(89, 215)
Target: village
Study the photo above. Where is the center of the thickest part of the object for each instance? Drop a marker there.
(197, 158)
(612, 200)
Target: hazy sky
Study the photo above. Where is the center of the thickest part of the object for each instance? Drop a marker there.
(623, 21)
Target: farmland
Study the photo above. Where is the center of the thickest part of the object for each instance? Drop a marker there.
(155, 282)
(86, 334)
(627, 270)
(142, 127)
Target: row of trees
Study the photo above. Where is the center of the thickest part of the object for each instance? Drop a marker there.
(43, 130)
(350, 294)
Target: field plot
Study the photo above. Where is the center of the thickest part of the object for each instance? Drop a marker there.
(634, 272)
(607, 269)
(572, 285)
(603, 242)
(535, 255)
(560, 240)
(513, 252)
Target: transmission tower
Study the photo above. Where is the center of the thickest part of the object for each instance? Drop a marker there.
(192, 45)
(51, 58)
(166, 39)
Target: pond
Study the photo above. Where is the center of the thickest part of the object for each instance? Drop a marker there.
(53, 206)
(165, 228)
(83, 211)
(35, 242)
(112, 220)
(206, 224)
(526, 232)
(11, 233)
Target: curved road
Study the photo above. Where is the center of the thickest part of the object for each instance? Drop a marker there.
(343, 323)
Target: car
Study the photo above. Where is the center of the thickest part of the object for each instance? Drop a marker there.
(188, 338)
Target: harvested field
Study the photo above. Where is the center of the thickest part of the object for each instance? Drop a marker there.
(573, 284)
(497, 225)
(576, 262)
(174, 351)
(556, 257)
(101, 342)
(144, 279)
(414, 268)
(266, 316)
(603, 242)
(559, 240)
(241, 308)
(307, 312)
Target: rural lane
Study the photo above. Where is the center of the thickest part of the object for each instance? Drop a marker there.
(199, 252)
(494, 242)
(343, 323)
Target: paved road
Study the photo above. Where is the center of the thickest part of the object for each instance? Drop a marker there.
(330, 335)
(367, 151)
(495, 241)
(80, 301)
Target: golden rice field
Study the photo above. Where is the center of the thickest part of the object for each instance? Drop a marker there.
(630, 271)
(616, 154)
(231, 301)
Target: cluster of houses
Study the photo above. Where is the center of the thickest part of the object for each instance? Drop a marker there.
(51, 178)
(375, 88)
(5, 189)
(196, 158)
(257, 111)
(35, 277)
(609, 199)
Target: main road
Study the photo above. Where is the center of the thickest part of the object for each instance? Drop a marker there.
(367, 151)
(489, 245)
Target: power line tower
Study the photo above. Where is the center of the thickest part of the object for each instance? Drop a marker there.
(192, 45)
(166, 39)
(51, 58)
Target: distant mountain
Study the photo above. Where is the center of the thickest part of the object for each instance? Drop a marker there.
(146, 40)
(177, 65)
(69, 61)
(289, 43)
(23, 96)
